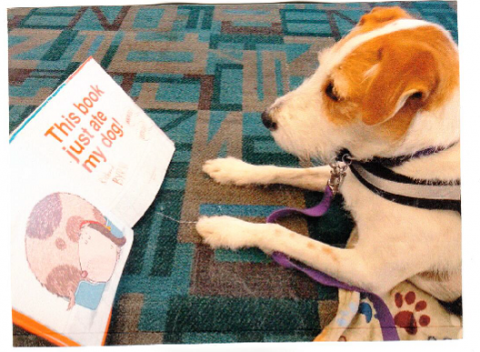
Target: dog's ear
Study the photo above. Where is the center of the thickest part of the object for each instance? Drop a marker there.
(383, 14)
(406, 74)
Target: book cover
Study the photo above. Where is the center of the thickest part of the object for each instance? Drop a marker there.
(85, 167)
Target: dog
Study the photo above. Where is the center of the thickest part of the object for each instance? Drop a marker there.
(388, 89)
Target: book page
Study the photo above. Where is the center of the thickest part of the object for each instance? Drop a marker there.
(85, 167)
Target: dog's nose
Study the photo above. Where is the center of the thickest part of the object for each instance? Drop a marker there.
(268, 121)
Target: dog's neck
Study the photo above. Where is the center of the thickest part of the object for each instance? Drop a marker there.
(439, 128)
(420, 184)
(444, 166)
(430, 129)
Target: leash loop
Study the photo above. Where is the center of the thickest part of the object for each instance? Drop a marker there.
(347, 158)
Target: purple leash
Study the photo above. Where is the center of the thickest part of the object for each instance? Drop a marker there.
(384, 316)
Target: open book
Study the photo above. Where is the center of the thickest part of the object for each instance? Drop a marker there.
(85, 167)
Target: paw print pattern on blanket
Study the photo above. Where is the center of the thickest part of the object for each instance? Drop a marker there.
(366, 309)
(406, 318)
(344, 317)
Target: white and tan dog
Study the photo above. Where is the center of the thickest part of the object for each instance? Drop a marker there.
(389, 88)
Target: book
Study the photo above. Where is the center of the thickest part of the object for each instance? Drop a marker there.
(85, 167)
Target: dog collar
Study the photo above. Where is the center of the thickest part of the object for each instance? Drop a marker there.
(376, 174)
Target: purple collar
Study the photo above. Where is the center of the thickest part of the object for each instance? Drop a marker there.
(345, 154)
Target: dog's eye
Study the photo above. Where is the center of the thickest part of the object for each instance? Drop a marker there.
(330, 92)
(417, 96)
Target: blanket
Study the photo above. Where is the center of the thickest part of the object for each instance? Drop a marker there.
(417, 316)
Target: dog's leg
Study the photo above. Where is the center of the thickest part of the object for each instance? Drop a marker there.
(447, 287)
(234, 171)
(356, 266)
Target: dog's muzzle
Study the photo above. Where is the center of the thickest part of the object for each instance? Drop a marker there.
(268, 121)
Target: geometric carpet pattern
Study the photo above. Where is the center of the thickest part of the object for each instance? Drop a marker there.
(204, 74)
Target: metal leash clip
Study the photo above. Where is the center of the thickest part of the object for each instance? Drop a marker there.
(337, 173)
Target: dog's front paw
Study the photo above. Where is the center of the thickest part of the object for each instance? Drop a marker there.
(230, 171)
(226, 232)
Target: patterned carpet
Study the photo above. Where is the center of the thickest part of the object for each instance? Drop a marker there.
(204, 74)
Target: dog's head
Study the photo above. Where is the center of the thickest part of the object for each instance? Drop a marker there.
(389, 87)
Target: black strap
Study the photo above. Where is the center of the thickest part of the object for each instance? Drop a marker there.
(423, 203)
(380, 168)
(383, 172)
